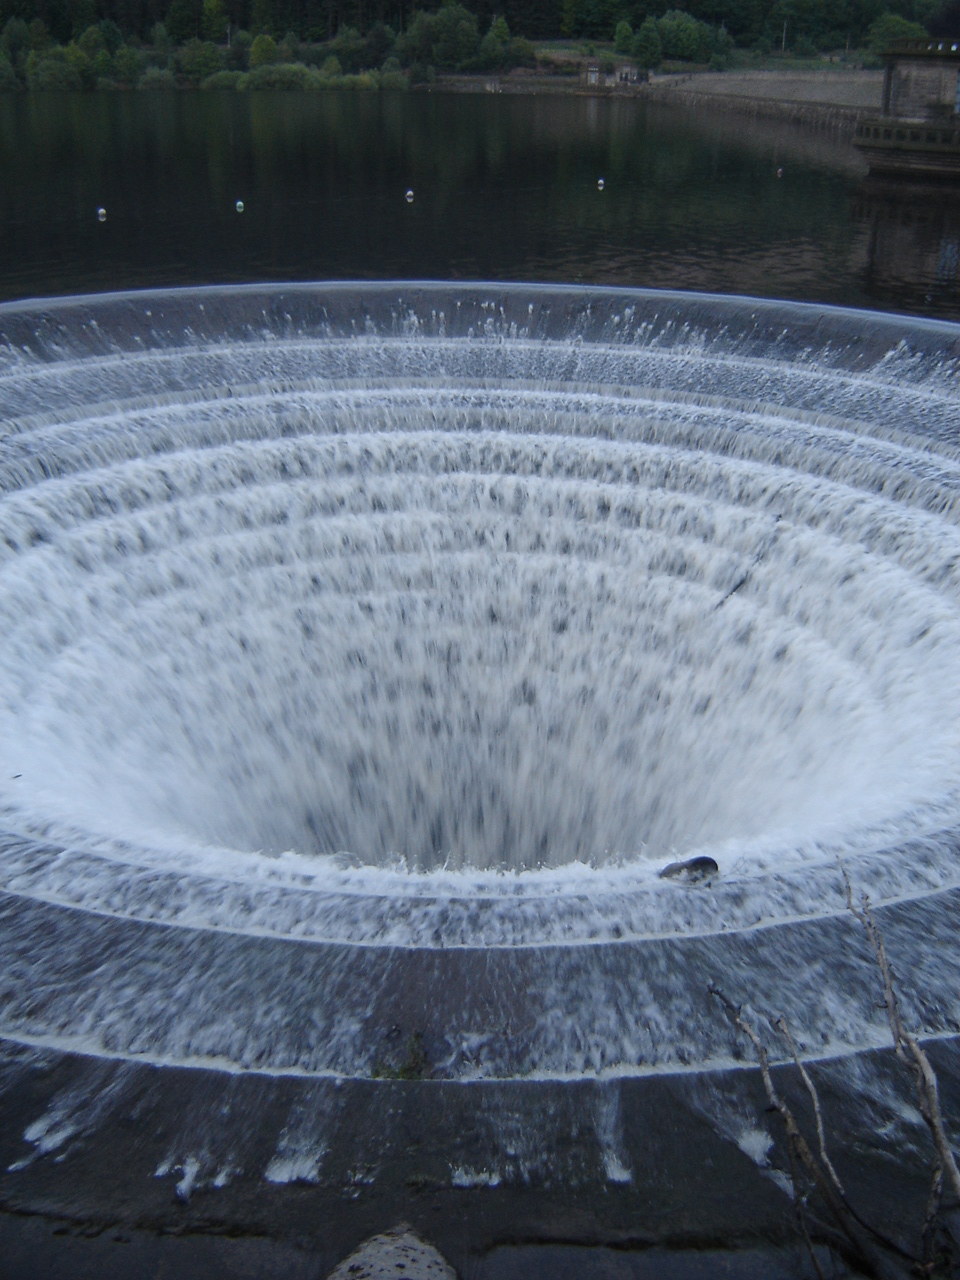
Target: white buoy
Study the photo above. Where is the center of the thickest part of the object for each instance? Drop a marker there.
(410, 195)
(101, 214)
(599, 184)
(239, 206)
(779, 173)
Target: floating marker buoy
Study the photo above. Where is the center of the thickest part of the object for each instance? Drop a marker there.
(410, 195)
(599, 184)
(239, 206)
(779, 173)
(101, 214)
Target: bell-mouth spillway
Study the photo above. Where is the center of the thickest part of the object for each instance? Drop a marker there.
(367, 651)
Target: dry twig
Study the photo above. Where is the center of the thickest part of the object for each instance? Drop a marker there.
(798, 1202)
(906, 1045)
(933, 1208)
(871, 1248)
(882, 1267)
(781, 1026)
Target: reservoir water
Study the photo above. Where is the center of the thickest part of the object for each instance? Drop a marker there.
(504, 188)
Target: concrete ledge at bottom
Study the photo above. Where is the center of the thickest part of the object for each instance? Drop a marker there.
(398, 1254)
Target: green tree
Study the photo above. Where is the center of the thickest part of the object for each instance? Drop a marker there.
(214, 20)
(263, 52)
(582, 17)
(348, 49)
(857, 17)
(457, 36)
(446, 35)
(415, 46)
(923, 11)
(77, 59)
(183, 20)
(623, 37)
(199, 59)
(59, 19)
(91, 41)
(391, 77)
(128, 65)
(262, 20)
(111, 34)
(892, 29)
(238, 55)
(39, 35)
(158, 78)
(494, 45)
(23, 9)
(51, 70)
(647, 48)
(378, 44)
(680, 36)
(742, 18)
(15, 39)
(84, 15)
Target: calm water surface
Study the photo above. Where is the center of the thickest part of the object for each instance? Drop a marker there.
(504, 188)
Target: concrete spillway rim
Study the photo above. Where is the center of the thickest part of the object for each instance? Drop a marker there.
(574, 944)
(81, 1048)
(597, 293)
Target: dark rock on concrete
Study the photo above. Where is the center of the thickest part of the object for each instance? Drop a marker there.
(692, 869)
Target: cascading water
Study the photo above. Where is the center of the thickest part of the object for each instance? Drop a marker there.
(368, 652)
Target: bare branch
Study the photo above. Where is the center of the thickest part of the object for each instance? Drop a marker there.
(930, 1106)
(798, 1203)
(933, 1208)
(907, 1046)
(881, 1267)
(864, 915)
(781, 1026)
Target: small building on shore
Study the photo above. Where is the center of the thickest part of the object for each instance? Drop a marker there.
(625, 75)
(918, 129)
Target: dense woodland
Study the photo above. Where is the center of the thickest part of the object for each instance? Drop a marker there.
(82, 43)
(824, 22)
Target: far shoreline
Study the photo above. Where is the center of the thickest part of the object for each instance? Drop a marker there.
(827, 100)
(830, 100)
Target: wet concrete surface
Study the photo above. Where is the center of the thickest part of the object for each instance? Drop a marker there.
(683, 1178)
(38, 1248)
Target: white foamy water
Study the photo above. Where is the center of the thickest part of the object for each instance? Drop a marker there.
(417, 627)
